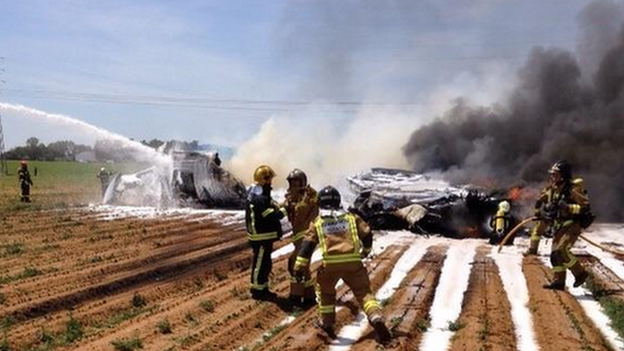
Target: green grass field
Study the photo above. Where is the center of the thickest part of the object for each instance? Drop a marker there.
(57, 184)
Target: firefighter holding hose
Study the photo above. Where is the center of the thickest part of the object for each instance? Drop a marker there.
(262, 217)
(563, 210)
(302, 207)
(344, 240)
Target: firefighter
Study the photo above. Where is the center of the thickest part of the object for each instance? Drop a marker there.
(24, 181)
(104, 176)
(500, 222)
(344, 239)
(262, 217)
(563, 209)
(302, 207)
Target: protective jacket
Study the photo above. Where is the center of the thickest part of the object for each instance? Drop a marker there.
(302, 210)
(342, 238)
(263, 215)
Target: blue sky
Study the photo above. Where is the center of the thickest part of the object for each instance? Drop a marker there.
(317, 52)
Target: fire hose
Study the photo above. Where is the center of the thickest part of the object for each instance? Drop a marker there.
(531, 219)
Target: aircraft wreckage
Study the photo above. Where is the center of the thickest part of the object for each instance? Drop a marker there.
(194, 180)
(393, 199)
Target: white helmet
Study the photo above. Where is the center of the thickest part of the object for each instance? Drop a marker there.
(504, 206)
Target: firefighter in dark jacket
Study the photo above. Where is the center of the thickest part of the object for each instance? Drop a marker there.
(262, 217)
(563, 209)
(302, 207)
(24, 181)
(344, 239)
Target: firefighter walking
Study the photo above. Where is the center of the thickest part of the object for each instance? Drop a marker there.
(104, 177)
(563, 209)
(302, 207)
(344, 239)
(24, 182)
(262, 218)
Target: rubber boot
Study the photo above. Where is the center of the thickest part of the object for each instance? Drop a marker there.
(383, 334)
(263, 295)
(558, 282)
(327, 329)
(534, 245)
(295, 301)
(580, 274)
(308, 302)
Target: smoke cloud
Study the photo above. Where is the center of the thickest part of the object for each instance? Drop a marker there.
(565, 106)
(361, 51)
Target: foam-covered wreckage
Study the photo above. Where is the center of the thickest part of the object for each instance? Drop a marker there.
(194, 180)
(390, 199)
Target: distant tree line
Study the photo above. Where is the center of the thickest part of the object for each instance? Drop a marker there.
(104, 150)
(35, 150)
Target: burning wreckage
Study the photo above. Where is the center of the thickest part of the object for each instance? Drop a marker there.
(385, 198)
(396, 199)
(194, 180)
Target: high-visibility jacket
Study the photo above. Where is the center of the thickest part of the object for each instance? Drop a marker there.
(341, 237)
(262, 215)
(302, 210)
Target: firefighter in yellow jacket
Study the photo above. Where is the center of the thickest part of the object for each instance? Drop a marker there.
(500, 222)
(563, 209)
(302, 207)
(344, 239)
(262, 217)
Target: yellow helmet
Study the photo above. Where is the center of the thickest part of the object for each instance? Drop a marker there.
(263, 175)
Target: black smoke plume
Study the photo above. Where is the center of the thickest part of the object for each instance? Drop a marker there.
(565, 106)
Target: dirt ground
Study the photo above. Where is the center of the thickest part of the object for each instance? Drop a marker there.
(81, 279)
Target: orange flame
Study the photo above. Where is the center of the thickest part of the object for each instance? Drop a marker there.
(514, 193)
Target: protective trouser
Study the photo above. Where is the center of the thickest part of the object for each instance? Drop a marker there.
(356, 278)
(261, 264)
(25, 195)
(560, 257)
(303, 288)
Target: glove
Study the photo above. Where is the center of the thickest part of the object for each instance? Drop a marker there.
(549, 212)
(299, 273)
(563, 207)
(365, 252)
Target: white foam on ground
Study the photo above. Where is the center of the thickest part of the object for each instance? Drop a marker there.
(350, 333)
(592, 309)
(509, 263)
(222, 217)
(447, 302)
(602, 234)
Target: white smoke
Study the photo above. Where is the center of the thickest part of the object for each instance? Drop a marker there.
(328, 149)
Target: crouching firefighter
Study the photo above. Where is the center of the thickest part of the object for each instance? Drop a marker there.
(565, 214)
(344, 239)
(262, 217)
(302, 207)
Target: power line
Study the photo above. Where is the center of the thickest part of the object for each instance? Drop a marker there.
(209, 103)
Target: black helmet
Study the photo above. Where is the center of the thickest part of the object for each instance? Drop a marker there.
(329, 198)
(562, 167)
(298, 174)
